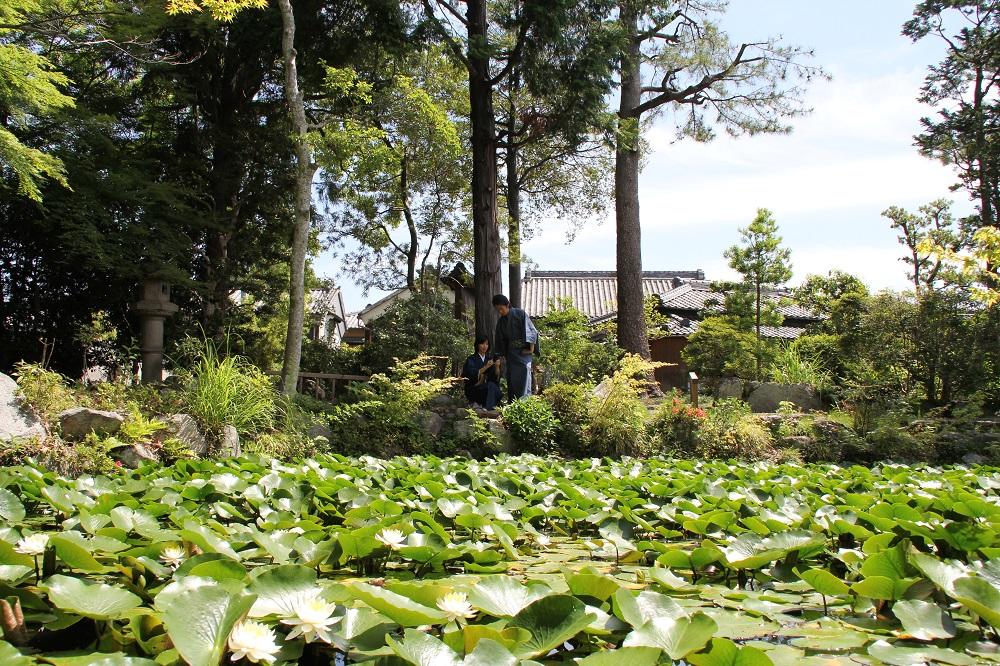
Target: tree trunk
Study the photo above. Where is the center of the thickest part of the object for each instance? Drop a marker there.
(631, 318)
(411, 226)
(513, 223)
(485, 232)
(304, 171)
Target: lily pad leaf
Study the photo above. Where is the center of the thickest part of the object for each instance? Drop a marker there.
(979, 596)
(678, 637)
(633, 656)
(199, 614)
(93, 600)
(551, 621)
(724, 652)
(279, 589)
(903, 656)
(401, 610)
(503, 596)
(11, 509)
(824, 582)
(923, 620)
(639, 609)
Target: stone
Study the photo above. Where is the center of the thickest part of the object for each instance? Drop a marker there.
(230, 442)
(431, 423)
(502, 434)
(320, 429)
(602, 390)
(135, 455)
(185, 428)
(15, 419)
(973, 459)
(729, 387)
(78, 422)
(767, 397)
(442, 402)
(464, 428)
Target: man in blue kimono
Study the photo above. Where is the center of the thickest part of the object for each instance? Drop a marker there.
(517, 340)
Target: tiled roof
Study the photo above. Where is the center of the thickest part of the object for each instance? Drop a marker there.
(697, 295)
(592, 292)
(324, 301)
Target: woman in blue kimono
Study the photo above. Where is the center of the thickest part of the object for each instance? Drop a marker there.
(482, 376)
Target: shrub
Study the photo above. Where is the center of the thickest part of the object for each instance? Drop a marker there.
(44, 391)
(888, 442)
(675, 426)
(569, 351)
(532, 424)
(280, 445)
(230, 391)
(719, 349)
(572, 405)
(732, 431)
(617, 424)
(380, 418)
(421, 326)
(792, 365)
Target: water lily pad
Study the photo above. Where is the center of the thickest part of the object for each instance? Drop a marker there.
(552, 621)
(678, 637)
(93, 600)
(401, 610)
(633, 656)
(11, 509)
(503, 596)
(923, 620)
(724, 652)
(280, 588)
(903, 656)
(199, 614)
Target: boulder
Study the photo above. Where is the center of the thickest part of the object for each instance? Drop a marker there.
(135, 455)
(320, 429)
(443, 402)
(15, 419)
(767, 397)
(464, 428)
(78, 422)
(430, 423)
(602, 390)
(230, 442)
(729, 387)
(185, 428)
(502, 434)
(973, 459)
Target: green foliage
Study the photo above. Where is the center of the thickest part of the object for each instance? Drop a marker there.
(533, 425)
(138, 427)
(791, 364)
(617, 425)
(719, 349)
(381, 416)
(675, 427)
(572, 405)
(422, 325)
(570, 352)
(46, 392)
(281, 445)
(764, 265)
(731, 431)
(229, 390)
(481, 439)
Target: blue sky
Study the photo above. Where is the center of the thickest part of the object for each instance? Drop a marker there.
(826, 183)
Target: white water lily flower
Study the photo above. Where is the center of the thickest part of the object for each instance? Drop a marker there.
(542, 540)
(254, 641)
(32, 545)
(312, 620)
(479, 546)
(456, 606)
(173, 554)
(391, 538)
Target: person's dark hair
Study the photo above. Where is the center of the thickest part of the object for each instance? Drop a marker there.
(500, 299)
(480, 339)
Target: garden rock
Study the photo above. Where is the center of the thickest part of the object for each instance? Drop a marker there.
(135, 455)
(320, 430)
(430, 423)
(15, 419)
(768, 397)
(973, 459)
(729, 387)
(230, 441)
(464, 428)
(602, 390)
(502, 434)
(185, 428)
(443, 402)
(79, 422)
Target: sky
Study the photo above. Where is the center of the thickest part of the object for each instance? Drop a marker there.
(826, 183)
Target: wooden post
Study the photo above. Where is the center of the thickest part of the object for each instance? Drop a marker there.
(693, 379)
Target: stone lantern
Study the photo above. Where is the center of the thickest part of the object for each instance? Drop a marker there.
(154, 308)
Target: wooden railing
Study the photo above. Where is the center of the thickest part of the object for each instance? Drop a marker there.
(323, 385)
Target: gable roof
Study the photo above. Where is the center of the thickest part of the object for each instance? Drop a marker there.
(697, 295)
(595, 293)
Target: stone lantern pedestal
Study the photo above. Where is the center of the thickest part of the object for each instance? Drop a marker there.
(153, 309)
